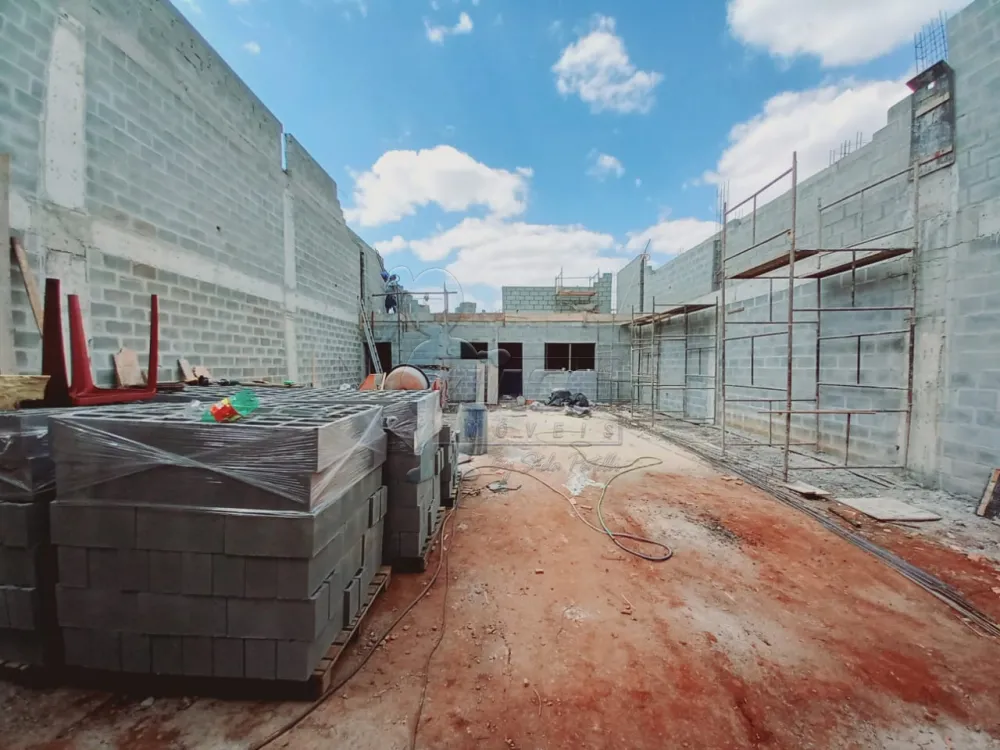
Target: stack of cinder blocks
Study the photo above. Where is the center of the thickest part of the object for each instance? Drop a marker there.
(28, 629)
(448, 442)
(413, 470)
(227, 550)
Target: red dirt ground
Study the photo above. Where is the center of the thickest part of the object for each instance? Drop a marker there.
(763, 631)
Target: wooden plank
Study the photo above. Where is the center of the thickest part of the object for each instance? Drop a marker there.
(8, 363)
(30, 286)
(807, 490)
(865, 260)
(773, 265)
(990, 506)
(127, 369)
(201, 372)
(187, 372)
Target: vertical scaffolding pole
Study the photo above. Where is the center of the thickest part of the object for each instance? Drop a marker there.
(791, 311)
(908, 417)
(654, 368)
(720, 375)
(819, 320)
(633, 365)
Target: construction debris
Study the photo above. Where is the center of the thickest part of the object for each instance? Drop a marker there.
(990, 505)
(888, 509)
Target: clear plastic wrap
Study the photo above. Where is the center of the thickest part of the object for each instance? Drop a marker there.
(279, 459)
(413, 418)
(26, 468)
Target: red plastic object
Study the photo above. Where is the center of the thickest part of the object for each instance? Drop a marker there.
(53, 354)
(81, 391)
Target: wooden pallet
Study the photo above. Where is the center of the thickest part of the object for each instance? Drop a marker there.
(234, 688)
(322, 676)
(419, 564)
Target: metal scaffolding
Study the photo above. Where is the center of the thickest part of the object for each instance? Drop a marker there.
(651, 347)
(781, 401)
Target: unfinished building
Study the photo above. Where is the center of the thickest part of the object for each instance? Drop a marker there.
(843, 326)
(121, 122)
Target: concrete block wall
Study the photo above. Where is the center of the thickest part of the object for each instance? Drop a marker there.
(954, 437)
(689, 275)
(142, 164)
(969, 434)
(437, 344)
(545, 299)
(529, 298)
(628, 287)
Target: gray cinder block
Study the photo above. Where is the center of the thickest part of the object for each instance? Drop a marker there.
(196, 573)
(96, 609)
(179, 530)
(133, 569)
(168, 654)
(404, 495)
(23, 524)
(102, 570)
(81, 525)
(261, 659)
(93, 649)
(197, 656)
(73, 567)
(261, 578)
(23, 607)
(166, 575)
(352, 600)
(137, 653)
(297, 536)
(227, 657)
(280, 620)
(26, 647)
(228, 575)
(180, 614)
(25, 567)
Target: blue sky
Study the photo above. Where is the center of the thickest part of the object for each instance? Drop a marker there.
(497, 141)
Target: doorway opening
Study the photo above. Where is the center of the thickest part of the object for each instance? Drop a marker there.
(512, 370)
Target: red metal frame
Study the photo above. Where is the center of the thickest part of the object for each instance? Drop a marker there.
(81, 391)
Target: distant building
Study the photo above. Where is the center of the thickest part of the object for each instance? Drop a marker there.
(466, 307)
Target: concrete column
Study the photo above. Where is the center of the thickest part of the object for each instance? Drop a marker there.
(64, 151)
(291, 346)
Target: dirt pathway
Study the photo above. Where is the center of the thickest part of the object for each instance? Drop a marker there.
(763, 631)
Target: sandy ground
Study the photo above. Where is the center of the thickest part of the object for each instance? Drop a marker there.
(762, 631)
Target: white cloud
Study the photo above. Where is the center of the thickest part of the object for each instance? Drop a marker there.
(361, 6)
(437, 34)
(838, 32)
(811, 122)
(252, 47)
(192, 6)
(638, 182)
(671, 235)
(597, 68)
(494, 252)
(402, 181)
(386, 247)
(603, 165)
(434, 5)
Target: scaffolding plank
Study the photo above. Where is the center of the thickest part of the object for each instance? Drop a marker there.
(774, 264)
(868, 260)
(664, 314)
